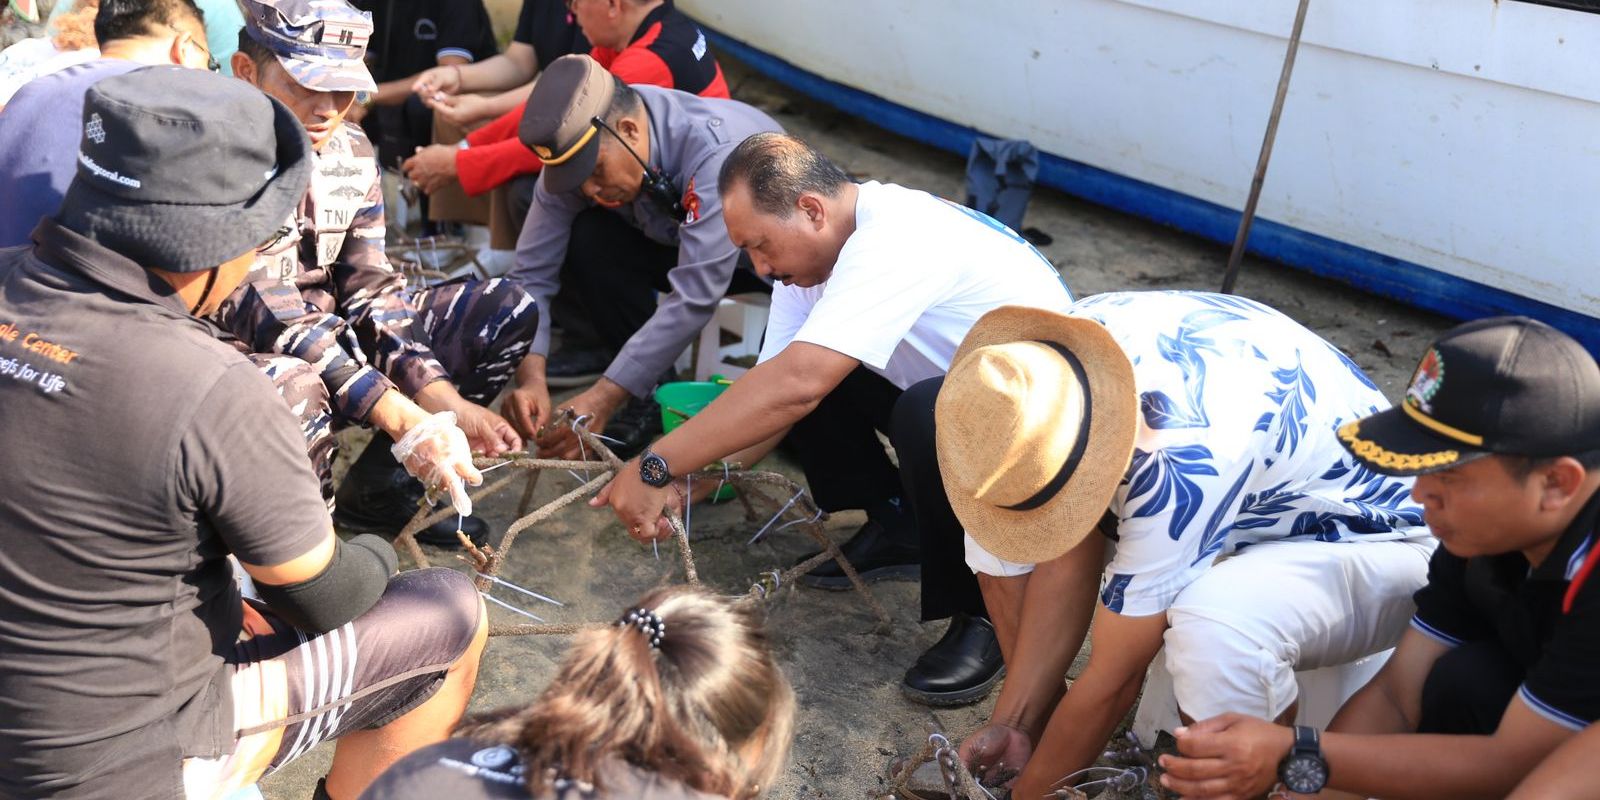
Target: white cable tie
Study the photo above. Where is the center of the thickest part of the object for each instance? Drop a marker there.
(495, 467)
(792, 523)
(688, 504)
(528, 592)
(786, 507)
(507, 606)
(607, 439)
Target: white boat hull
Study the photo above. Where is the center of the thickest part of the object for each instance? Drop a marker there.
(1446, 152)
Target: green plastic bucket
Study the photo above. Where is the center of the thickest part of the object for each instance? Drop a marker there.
(684, 399)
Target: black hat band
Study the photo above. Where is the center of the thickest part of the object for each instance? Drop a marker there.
(1085, 414)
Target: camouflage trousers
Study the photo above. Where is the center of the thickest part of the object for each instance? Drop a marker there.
(479, 331)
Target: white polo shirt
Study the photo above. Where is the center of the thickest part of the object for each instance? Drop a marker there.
(910, 283)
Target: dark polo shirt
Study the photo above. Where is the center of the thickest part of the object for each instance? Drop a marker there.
(136, 452)
(1498, 598)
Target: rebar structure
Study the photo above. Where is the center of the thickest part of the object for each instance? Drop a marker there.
(751, 486)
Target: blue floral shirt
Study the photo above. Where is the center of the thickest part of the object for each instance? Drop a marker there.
(1238, 407)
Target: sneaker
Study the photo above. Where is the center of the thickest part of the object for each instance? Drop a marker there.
(575, 366)
(876, 556)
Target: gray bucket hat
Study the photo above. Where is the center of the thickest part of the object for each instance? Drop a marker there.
(183, 169)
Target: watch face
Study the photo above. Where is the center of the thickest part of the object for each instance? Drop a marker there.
(1305, 774)
(653, 470)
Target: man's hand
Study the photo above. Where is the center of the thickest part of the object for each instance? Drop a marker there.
(486, 431)
(641, 507)
(594, 406)
(436, 452)
(464, 110)
(996, 753)
(437, 80)
(528, 404)
(1231, 757)
(433, 167)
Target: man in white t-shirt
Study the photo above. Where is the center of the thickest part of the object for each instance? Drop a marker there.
(875, 286)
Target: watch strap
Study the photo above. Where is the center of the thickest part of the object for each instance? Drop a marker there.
(1307, 740)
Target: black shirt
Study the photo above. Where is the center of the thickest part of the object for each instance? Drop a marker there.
(1499, 598)
(550, 29)
(462, 769)
(410, 36)
(136, 452)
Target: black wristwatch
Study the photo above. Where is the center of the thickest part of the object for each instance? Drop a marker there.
(653, 470)
(1304, 770)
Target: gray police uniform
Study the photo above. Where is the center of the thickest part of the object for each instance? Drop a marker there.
(690, 137)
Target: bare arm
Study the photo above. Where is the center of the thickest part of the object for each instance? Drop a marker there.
(1058, 602)
(1370, 748)
(1392, 701)
(517, 65)
(1123, 647)
(758, 407)
(307, 566)
(1568, 774)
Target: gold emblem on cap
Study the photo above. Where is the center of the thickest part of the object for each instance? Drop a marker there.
(551, 160)
(1375, 454)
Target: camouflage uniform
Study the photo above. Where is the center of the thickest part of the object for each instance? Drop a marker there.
(323, 294)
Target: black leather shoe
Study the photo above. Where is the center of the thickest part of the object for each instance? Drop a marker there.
(876, 556)
(961, 668)
(378, 496)
(635, 426)
(577, 366)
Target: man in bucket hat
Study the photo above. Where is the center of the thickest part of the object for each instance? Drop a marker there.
(137, 452)
(1501, 426)
(327, 314)
(1249, 545)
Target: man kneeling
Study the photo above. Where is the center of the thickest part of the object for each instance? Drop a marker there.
(1249, 545)
(137, 452)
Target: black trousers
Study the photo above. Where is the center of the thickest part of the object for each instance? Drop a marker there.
(847, 468)
(1469, 689)
(610, 279)
(948, 585)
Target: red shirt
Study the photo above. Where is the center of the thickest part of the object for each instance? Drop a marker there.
(668, 50)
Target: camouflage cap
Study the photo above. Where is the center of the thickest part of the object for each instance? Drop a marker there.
(321, 43)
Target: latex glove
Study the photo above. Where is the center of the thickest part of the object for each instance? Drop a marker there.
(435, 451)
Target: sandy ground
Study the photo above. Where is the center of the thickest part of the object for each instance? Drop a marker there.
(853, 719)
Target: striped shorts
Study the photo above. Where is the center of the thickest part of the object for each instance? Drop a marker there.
(293, 690)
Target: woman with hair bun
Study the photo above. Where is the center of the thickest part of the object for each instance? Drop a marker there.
(679, 700)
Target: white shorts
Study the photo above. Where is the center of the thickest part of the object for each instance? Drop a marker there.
(1238, 634)
(1241, 631)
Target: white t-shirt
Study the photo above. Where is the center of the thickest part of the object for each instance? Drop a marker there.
(910, 283)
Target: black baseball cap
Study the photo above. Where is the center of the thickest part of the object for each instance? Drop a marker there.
(1505, 385)
(558, 122)
(184, 169)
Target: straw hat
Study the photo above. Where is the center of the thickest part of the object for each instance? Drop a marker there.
(1035, 423)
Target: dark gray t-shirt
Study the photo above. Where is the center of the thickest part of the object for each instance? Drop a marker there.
(136, 452)
(462, 769)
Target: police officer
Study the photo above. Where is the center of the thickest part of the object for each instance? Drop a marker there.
(650, 155)
(328, 314)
